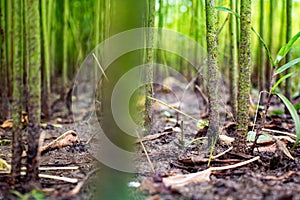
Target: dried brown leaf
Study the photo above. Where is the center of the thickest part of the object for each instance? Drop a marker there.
(66, 139)
(283, 148)
(7, 124)
(178, 181)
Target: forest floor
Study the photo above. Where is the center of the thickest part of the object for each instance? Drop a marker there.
(273, 176)
(180, 172)
(76, 156)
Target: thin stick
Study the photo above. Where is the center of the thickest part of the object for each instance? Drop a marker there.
(234, 165)
(78, 187)
(100, 67)
(280, 132)
(54, 168)
(222, 153)
(148, 158)
(256, 110)
(205, 98)
(59, 178)
(171, 107)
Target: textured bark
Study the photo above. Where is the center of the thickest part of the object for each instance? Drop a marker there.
(149, 61)
(46, 62)
(17, 89)
(33, 52)
(233, 62)
(244, 75)
(212, 76)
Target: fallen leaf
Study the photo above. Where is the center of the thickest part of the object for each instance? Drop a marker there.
(275, 178)
(178, 181)
(66, 139)
(152, 137)
(224, 139)
(153, 187)
(7, 124)
(4, 166)
(268, 148)
(283, 148)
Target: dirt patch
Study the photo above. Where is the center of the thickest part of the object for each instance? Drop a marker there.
(273, 176)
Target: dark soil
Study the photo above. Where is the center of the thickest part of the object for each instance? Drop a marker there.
(273, 176)
(77, 155)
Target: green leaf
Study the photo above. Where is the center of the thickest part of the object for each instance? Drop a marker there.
(228, 10)
(280, 80)
(276, 112)
(286, 66)
(286, 48)
(202, 123)
(265, 46)
(294, 115)
(251, 136)
(37, 195)
(297, 106)
(264, 138)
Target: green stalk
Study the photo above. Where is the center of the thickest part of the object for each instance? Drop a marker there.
(212, 73)
(233, 62)
(34, 101)
(17, 88)
(289, 10)
(244, 76)
(3, 63)
(46, 64)
(270, 37)
(65, 45)
(260, 50)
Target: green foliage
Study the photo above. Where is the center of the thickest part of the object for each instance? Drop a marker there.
(251, 136)
(280, 80)
(286, 48)
(35, 194)
(228, 10)
(202, 123)
(281, 54)
(276, 112)
(262, 138)
(286, 66)
(283, 50)
(297, 106)
(294, 115)
(264, 45)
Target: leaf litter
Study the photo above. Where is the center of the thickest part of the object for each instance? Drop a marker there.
(182, 173)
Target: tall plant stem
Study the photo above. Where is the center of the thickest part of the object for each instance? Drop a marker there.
(244, 75)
